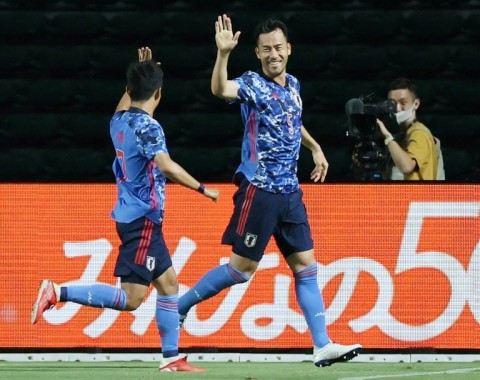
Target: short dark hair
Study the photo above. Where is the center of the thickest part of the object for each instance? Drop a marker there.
(143, 79)
(269, 25)
(404, 84)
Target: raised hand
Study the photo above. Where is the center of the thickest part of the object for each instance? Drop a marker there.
(224, 37)
(144, 54)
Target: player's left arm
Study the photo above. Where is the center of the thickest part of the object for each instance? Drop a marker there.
(176, 173)
(321, 163)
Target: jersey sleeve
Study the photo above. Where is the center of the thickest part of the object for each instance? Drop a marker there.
(418, 147)
(246, 88)
(151, 140)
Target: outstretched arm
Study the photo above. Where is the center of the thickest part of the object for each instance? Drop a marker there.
(179, 175)
(226, 42)
(321, 164)
(144, 54)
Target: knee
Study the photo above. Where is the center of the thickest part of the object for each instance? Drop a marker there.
(303, 272)
(167, 283)
(170, 287)
(167, 289)
(238, 276)
(301, 260)
(243, 265)
(133, 303)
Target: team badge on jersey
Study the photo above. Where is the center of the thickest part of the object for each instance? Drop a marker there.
(250, 240)
(297, 98)
(150, 263)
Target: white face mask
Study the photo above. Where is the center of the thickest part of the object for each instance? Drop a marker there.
(403, 116)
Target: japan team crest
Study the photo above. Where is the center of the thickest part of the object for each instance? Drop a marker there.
(250, 240)
(150, 263)
(297, 98)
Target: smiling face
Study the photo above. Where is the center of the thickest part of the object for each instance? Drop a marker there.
(273, 50)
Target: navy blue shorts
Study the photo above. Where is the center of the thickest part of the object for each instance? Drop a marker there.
(258, 215)
(143, 255)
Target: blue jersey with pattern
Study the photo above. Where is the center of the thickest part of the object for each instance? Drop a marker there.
(137, 138)
(272, 116)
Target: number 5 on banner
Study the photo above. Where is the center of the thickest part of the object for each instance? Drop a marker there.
(461, 288)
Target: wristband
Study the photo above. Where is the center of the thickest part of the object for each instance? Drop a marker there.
(389, 139)
(201, 188)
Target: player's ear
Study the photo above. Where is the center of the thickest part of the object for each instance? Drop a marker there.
(158, 93)
(257, 52)
(289, 48)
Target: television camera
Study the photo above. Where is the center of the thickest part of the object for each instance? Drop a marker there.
(368, 155)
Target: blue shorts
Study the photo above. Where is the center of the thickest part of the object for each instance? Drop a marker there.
(258, 215)
(143, 255)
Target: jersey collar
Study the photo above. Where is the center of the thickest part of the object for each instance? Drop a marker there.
(137, 110)
(262, 74)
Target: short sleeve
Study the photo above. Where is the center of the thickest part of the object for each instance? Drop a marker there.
(247, 88)
(151, 140)
(419, 147)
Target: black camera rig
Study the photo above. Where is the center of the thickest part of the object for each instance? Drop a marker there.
(368, 155)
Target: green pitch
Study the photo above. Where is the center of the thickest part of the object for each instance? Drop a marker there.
(240, 371)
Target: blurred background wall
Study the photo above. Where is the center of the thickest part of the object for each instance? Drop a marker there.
(62, 67)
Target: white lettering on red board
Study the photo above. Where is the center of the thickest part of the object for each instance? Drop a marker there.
(464, 287)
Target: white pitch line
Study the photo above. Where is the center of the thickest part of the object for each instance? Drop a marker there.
(451, 371)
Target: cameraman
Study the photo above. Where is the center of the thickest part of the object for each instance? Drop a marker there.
(413, 153)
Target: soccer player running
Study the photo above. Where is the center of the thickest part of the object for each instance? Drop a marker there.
(141, 167)
(268, 201)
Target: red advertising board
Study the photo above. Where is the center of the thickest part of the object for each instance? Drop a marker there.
(399, 267)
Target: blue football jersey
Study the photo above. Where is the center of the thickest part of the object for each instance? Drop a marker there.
(272, 116)
(137, 138)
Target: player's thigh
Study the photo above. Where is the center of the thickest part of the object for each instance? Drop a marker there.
(166, 284)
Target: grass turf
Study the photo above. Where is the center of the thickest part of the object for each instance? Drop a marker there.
(240, 371)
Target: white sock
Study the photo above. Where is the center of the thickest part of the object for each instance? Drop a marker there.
(57, 291)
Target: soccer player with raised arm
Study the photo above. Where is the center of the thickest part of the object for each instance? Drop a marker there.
(141, 167)
(268, 201)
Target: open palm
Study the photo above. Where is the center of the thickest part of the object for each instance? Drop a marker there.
(224, 37)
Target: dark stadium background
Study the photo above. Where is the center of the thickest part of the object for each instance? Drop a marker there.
(63, 62)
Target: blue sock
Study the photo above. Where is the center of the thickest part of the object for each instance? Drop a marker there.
(98, 295)
(310, 301)
(212, 283)
(166, 316)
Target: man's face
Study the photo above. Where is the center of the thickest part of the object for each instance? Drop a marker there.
(273, 50)
(404, 98)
